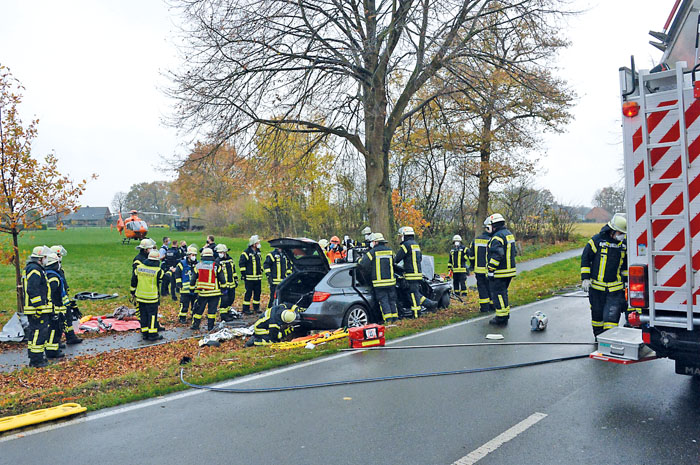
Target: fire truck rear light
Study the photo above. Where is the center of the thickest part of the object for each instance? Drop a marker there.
(630, 109)
(646, 337)
(638, 290)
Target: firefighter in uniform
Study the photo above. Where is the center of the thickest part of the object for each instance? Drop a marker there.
(144, 248)
(272, 326)
(457, 266)
(207, 281)
(367, 232)
(72, 311)
(378, 264)
(228, 289)
(604, 273)
(410, 254)
(251, 273)
(476, 254)
(171, 257)
(501, 254)
(37, 305)
(145, 285)
(276, 267)
(184, 272)
(59, 300)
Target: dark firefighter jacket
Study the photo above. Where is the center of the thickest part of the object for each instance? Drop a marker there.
(277, 267)
(270, 327)
(604, 261)
(477, 252)
(378, 264)
(57, 285)
(229, 269)
(410, 254)
(501, 253)
(458, 260)
(249, 264)
(37, 294)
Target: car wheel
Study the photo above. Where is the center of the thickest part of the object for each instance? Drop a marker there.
(445, 300)
(356, 316)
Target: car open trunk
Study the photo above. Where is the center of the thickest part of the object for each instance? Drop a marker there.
(310, 266)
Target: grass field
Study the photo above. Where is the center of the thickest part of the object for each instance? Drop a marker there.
(588, 230)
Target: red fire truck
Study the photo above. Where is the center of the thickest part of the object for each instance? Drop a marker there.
(661, 128)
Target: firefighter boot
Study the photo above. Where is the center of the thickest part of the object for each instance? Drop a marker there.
(183, 320)
(71, 338)
(38, 362)
(195, 323)
(499, 320)
(210, 323)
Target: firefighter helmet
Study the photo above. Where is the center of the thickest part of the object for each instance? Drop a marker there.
(207, 252)
(191, 250)
(618, 222)
(40, 251)
(377, 237)
(406, 231)
(288, 316)
(254, 239)
(495, 218)
(154, 255)
(145, 244)
(538, 322)
(367, 230)
(457, 238)
(323, 243)
(59, 250)
(335, 240)
(52, 258)
(221, 248)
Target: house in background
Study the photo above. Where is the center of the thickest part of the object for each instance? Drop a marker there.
(598, 215)
(89, 216)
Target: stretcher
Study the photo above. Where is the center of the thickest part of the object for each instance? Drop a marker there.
(40, 416)
(314, 339)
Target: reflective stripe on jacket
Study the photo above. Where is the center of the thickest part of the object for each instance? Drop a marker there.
(146, 281)
(37, 294)
(249, 264)
(410, 254)
(379, 264)
(501, 254)
(604, 262)
(458, 260)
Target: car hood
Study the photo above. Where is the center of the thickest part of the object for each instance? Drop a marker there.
(305, 254)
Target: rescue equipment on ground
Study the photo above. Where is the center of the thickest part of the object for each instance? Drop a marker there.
(538, 322)
(314, 339)
(622, 343)
(226, 334)
(94, 296)
(40, 416)
(366, 336)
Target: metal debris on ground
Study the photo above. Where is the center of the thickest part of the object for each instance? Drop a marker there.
(122, 312)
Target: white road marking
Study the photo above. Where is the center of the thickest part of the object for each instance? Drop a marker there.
(499, 440)
(194, 392)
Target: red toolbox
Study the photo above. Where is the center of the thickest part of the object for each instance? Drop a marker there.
(366, 336)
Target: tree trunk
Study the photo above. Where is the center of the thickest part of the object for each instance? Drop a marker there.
(18, 272)
(482, 210)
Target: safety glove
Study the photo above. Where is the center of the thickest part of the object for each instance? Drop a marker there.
(586, 285)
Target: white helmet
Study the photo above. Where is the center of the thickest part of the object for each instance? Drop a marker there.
(538, 322)
(495, 218)
(377, 237)
(40, 251)
(406, 231)
(618, 222)
(288, 316)
(254, 239)
(154, 255)
(207, 252)
(457, 238)
(367, 230)
(59, 250)
(191, 250)
(221, 248)
(52, 258)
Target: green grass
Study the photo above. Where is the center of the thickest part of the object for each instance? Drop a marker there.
(588, 230)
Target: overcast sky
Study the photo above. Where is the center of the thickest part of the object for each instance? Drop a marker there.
(93, 76)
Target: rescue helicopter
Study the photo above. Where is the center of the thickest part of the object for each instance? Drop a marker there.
(135, 227)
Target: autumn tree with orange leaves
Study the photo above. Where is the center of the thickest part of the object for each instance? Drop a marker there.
(30, 190)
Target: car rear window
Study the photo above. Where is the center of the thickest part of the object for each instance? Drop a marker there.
(341, 279)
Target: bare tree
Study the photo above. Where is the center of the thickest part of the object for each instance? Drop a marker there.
(119, 202)
(324, 66)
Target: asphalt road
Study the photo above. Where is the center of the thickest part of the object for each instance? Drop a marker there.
(576, 412)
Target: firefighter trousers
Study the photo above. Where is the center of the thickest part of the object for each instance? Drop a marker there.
(37, 333)
(227, 298)
(148, 317)
(68, 325)
(415, 298)
(498, 287)
(459, 282)
(605, 309)
(56, 324)
(482, 286)
(252, 291)
(386, 298)
(188, 301)
(273, 288)
(211, 304)
(169, 283)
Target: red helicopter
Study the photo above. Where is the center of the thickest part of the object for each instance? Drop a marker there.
(133, 227)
